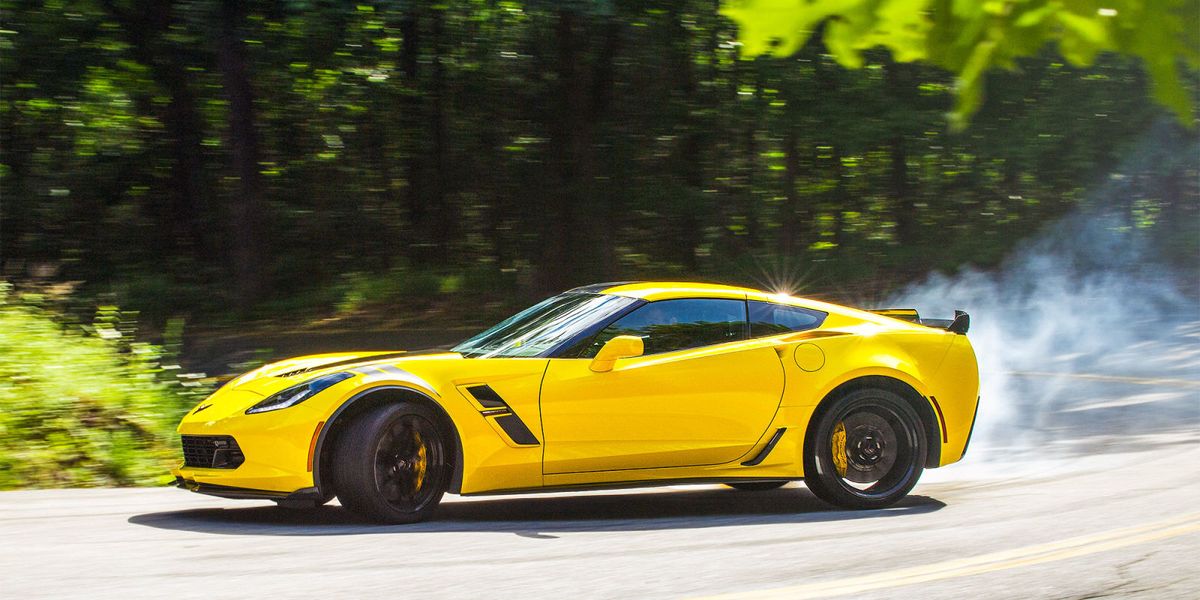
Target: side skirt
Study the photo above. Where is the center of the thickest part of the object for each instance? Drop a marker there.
(621, 485)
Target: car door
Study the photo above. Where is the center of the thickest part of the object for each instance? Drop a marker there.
(701, 393)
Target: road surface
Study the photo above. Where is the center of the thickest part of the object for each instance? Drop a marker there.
(1124, 524)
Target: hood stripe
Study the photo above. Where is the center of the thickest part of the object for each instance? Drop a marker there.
(339, 363)
(393, 373)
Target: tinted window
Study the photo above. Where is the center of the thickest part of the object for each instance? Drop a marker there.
(767, 318)
(677, 324)
(544, 325)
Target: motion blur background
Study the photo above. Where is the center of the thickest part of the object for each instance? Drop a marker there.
(190, 188)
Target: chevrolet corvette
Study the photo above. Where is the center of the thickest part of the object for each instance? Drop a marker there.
(608, 385)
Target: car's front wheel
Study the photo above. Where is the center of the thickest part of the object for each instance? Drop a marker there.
(866, 451)
(392, 463)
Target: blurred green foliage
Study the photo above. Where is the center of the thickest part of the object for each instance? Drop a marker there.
(84, 405)
(969, 38)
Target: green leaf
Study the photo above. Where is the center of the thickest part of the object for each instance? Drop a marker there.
(1083, 37)
(971, 37)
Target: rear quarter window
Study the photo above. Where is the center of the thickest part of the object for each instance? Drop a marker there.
(768, 318)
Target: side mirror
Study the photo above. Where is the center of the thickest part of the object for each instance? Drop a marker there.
(622, 346)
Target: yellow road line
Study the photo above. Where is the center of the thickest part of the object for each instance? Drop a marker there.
(986, 563)
(1113, 378)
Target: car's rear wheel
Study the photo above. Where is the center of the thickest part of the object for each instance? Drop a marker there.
(756, 486)
(392, 463)
(866, 451)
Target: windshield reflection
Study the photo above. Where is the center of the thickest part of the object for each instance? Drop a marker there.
(543, 326)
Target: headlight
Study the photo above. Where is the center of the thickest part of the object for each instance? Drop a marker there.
(298, 393)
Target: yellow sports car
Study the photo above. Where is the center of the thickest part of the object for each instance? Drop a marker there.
(616, 384)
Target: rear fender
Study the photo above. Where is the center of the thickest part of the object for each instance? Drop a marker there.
(929, 412)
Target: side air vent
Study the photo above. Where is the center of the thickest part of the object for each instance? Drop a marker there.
(762, 455)
(487, 397)
(496, 408)
(516, 429)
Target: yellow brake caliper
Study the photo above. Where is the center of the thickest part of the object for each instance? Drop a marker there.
(420, 466)
(838, 445)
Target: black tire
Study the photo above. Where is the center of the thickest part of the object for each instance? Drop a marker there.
(757, 486)
(392, 463)
(882, 445)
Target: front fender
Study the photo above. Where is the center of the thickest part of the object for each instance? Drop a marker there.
(486, 460)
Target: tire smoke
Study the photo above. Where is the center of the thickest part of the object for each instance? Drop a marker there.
(1086, 340)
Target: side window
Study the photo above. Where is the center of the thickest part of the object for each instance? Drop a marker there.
(670, 325)
(767, 318)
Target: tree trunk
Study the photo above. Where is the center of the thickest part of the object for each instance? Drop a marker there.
(605, 213)
(14, 194)
(840, 200)
(183, 125)
(443, 213)
(412, 123)
(724, 171)
(143, 28)
(750, 176)
(901, 87)
(246, 208)
(905, 207)
(690, 162)
(564, 258)
(790, 238)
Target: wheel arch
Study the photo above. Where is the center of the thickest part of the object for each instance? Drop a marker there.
(364, 401)
(925, 410)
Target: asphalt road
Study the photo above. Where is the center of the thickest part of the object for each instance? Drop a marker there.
(1121, 524)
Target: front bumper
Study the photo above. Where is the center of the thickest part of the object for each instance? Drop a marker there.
(274, 447)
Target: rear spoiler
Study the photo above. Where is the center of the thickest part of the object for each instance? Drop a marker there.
(959, 324)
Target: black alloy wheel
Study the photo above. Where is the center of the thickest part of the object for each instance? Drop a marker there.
(392, 464)
(866, 451)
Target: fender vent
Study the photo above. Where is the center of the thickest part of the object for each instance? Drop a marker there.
(766, 449)
(495, 407)
(487, 397)
(516, 429)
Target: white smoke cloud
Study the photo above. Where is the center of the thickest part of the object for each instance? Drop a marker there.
(1085, 341)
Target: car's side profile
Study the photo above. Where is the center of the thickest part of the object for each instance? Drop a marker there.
(605, 385)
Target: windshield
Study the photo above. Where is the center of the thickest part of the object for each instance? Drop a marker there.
(543, 326)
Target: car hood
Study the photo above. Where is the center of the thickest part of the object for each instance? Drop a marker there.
(274, 377)
(249, 389)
